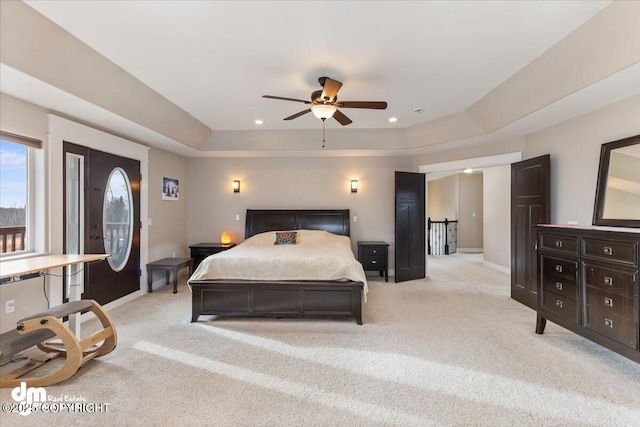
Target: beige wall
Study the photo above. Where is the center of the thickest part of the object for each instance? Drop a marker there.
(470, 212)
(497, 216)
(168, 228)
(443, 196)
(292, 183)
(574, 146)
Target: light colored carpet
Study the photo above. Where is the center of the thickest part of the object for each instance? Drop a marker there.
(453, 349)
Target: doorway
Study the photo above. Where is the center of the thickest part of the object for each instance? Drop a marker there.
(102, 215)
(496, 202)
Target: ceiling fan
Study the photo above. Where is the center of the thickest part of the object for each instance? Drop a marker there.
(324, 103)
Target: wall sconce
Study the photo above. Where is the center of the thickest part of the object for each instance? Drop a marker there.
(225, 238)
(236, 186)
(354, 185)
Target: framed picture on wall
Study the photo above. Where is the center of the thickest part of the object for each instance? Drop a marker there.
(170, 189)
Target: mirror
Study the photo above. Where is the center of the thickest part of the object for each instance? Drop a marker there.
(618, 188)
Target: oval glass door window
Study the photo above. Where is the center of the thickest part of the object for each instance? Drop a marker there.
(117, 219)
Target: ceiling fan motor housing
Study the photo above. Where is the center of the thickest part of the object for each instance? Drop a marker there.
(316, 97)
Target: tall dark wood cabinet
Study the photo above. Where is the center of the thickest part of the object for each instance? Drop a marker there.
(588, 283)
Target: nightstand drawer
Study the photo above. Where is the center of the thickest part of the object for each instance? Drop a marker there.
(374, 250)
(373, 262)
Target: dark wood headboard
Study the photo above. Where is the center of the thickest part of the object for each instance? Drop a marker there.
(331, 220)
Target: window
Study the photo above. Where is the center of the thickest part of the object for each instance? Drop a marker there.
(15, 214)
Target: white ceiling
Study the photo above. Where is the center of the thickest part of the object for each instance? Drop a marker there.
(215, 59)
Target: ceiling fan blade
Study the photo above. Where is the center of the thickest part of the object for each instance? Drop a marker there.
(286, 99)
(362, 104)
(295, 116)
(341, 118)
(330, 89)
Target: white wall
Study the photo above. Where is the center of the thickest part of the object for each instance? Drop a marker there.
(292, 183)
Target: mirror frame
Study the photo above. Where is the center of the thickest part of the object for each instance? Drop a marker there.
(601, 187)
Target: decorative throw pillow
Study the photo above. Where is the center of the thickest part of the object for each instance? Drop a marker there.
(285, 238)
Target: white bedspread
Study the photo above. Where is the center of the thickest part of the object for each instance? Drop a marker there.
(317, 255)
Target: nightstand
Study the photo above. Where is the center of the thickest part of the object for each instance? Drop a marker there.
(374, 256)
(200, 251)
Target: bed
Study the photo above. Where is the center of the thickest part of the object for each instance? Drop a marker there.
(221, 294)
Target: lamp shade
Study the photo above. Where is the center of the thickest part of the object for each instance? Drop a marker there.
(323, 111)
(225, 238)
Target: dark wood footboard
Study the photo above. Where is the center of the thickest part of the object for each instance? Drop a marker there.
(277, 299)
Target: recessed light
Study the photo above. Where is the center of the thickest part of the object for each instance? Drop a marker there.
(393, 119)
(258, 122)
(468, 170)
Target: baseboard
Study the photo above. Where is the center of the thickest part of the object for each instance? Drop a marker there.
(470, 250)
(497, 267)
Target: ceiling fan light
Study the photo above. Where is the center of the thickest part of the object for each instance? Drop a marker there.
(323, 111)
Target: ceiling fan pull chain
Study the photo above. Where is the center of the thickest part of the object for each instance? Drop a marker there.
(323, 140)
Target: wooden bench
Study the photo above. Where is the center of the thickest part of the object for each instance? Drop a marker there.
(39, 328)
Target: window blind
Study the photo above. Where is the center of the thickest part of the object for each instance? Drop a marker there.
(19, 139)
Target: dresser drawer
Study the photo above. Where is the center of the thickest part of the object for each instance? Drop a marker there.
(560, 304)
(560, 243)
(560, 268)
(560, 286)
(616, 281)
(373, 262)
(624, 252)
(603, 320)
(610, 304)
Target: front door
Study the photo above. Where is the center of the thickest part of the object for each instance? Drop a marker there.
(529, 207)
(110, 212)
(410, 226)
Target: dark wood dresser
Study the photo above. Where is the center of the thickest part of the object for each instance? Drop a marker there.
(588, 283)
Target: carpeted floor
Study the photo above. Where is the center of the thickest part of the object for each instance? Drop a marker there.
(453, 349)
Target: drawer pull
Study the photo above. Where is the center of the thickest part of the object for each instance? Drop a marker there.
(559, 303)
(608, 302)
(558, 243)
(559, 268)
(608, 250)
(608, 323)
(608, 281)
(559, 286)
